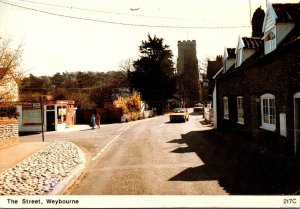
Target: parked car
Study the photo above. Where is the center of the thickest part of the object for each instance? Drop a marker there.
(199, 107)
(179, 114)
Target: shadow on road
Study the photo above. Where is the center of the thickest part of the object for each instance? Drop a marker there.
(240, 166)
(196, 113)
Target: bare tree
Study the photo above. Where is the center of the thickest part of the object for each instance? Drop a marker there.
(126, 66)
(203, 63)
(10, 73)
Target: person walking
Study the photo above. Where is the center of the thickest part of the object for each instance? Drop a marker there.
(93, 121)
(98, 118)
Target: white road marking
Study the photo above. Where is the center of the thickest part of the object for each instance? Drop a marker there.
(122, 130)
(126, 128)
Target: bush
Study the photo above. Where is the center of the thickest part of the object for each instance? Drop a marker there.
(133, 116)
(9, 111)
(131, 107)
(134, 103)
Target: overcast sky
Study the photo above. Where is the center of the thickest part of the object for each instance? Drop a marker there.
(96, 35)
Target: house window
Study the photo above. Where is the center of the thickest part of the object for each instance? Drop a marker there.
(270, 41)
(31, 114)
(268, 112)
(240, 110)
(226, 109)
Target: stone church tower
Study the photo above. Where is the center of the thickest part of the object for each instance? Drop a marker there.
(187, 70)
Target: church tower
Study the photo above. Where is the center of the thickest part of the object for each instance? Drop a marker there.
(187, 70)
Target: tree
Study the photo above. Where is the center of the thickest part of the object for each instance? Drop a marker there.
(126, 66)
(10, 73)
(87, 89)
(257, 22)
(153, 75)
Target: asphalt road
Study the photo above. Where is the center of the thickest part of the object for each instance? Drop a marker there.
(153, 156)
(141, 157)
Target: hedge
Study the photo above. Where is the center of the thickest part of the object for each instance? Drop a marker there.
(9, 111)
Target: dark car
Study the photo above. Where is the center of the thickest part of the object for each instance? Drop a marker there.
(199, 107)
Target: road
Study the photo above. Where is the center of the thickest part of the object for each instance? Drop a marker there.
(153, 156)
(143, 157)
(140, 157)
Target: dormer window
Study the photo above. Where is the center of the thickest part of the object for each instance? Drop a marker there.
(271, 36)
(239, 57)
(270, 40)
(239, 52)
(225, 56)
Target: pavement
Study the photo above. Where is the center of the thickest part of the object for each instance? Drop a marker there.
(13, 154)
(22, 165)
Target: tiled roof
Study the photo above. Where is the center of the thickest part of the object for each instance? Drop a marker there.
(252, 43)
(287, 12)
(231, 52)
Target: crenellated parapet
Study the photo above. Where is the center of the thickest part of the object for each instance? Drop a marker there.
(187, 42)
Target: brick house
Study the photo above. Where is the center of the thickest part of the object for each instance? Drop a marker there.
(260, 94)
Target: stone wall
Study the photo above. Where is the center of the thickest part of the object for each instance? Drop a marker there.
(8, 131)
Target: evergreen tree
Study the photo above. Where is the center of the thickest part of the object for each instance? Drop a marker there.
(153, 74)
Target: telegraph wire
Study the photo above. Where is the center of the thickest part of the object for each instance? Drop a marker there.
(107, 12)
(122, 23)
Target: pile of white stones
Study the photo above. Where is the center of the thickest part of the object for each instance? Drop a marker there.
(41, 172)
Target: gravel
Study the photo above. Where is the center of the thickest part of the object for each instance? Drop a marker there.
(40, 173)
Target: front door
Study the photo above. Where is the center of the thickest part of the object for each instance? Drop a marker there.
(297, 123)
(50, 121)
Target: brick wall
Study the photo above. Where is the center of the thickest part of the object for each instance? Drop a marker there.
(274, 74)
(8, 131)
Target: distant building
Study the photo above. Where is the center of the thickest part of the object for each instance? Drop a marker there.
(212, 68)
(187, 70)
(57, 115)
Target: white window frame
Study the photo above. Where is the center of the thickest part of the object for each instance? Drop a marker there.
(240, 110)
(268, 112)
(226, 108)
(270, 41)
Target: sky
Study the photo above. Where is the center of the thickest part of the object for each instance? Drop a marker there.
(97, 35)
